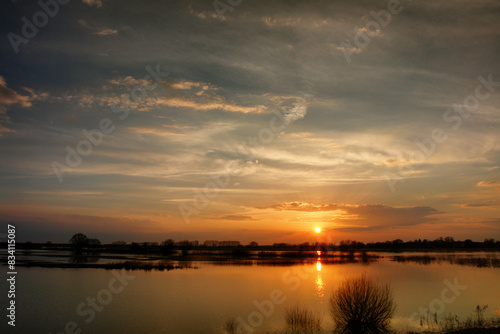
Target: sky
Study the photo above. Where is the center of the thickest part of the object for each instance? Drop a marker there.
(250, 120)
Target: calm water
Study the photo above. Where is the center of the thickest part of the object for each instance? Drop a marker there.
(200, 300)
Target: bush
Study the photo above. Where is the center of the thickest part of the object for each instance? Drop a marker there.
(361, 306)
(300, 320)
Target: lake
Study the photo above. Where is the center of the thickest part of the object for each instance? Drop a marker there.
(200, 300)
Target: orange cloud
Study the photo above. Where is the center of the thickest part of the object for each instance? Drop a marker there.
(488, 184)
(8, 96)
(364, 217)
(159, 132)
(474, 205)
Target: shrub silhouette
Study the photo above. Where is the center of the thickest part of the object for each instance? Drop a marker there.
(361, 306)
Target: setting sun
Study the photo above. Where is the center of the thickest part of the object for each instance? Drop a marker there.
(317, 229)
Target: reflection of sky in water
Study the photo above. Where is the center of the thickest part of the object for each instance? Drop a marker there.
(163, 301)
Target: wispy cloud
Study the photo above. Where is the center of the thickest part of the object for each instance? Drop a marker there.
(96, 3)
(475, 205)
(9, 96)
(237, 218)
(488, 184)
(155, 131)
(107, 32)
(281, 21)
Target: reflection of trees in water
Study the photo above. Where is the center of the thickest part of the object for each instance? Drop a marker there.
(84, 257)
(489, 261)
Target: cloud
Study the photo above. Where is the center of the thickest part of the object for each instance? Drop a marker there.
(488, 184)
(100, 31)
(479, 222)
(3, 129)
(347, 49)
(298, 111)
(8, 96)
(281, 21)
(211, 104)
(97, 3)
(107, 32)
(160, 132)
(129, 81)
(186, 85)
(237, 218)
(474, 205)
(204, 98)
(364, 217)
(36, 96)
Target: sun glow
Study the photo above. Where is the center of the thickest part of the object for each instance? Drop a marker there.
(317, 229)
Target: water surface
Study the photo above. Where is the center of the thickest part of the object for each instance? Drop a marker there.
(200, 300)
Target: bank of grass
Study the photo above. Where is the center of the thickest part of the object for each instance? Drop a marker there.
(451, 323)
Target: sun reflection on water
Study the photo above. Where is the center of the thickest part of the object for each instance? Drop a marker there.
(320, 285)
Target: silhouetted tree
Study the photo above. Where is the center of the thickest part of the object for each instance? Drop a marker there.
(167, 246)
(93, 243)
(184, 246)
(168, 243)
(79, 240)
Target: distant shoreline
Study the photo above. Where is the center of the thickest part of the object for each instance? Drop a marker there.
(127, 265)
(93, 259)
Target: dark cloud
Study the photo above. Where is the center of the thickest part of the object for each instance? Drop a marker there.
(237, 218)
(365, 217)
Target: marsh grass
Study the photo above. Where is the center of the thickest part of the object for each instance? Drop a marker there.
(301, 320)
(451, 322)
